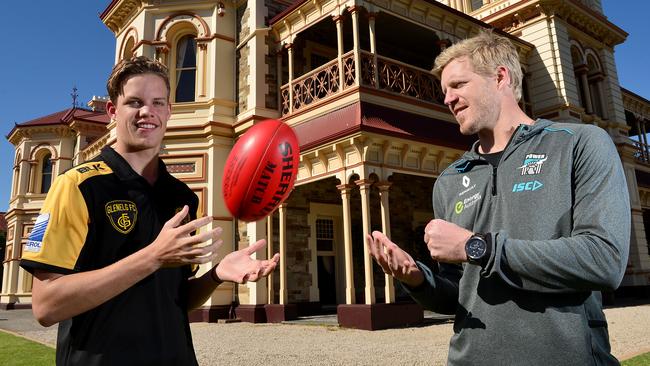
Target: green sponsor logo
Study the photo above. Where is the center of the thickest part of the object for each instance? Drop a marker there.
(459, 207)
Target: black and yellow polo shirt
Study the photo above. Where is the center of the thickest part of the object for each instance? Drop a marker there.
(94, 215)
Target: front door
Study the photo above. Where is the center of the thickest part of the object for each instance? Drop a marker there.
(326, 260)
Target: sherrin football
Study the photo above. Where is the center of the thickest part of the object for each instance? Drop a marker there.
(260, 170)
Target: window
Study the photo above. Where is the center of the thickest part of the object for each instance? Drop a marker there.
(525, 101)
(646, 226)
(14, 182)
(477, 4)
(185, 69)
(325, 235)
(128, 49)
(46, 173)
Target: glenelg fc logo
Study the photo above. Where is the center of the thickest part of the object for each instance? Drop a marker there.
(122, 215)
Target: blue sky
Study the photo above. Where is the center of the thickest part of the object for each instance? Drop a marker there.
(50, 47)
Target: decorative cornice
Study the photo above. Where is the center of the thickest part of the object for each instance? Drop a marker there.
(519, 14)
(21, 132)
(636, 104)
(118, 14)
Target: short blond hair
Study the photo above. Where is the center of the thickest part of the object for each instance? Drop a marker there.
(485, 52)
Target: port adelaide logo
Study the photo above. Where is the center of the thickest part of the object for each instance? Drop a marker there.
(122, 215)
(532, 164)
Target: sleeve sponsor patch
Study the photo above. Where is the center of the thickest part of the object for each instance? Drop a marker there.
(36, 236)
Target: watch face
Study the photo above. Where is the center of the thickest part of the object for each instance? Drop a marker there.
(475, 248)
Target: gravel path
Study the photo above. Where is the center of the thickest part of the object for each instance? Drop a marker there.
(269, 344)
(282, 344)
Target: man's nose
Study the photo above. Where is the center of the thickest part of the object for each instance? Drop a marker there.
(146, 111)
(450, 98)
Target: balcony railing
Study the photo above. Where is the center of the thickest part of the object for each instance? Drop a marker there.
(642, 153)
(393, 77)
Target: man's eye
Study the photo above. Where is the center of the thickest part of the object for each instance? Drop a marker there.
(134, 103)
(159, 103)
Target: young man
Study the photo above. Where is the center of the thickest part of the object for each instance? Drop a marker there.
(112, 251)
(530, 224)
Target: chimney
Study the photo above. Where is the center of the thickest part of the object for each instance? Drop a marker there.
(98, 104)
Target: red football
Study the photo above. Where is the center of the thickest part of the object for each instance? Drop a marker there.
(260, 170)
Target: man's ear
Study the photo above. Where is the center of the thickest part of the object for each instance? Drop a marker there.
(110, 109)
(503, 77)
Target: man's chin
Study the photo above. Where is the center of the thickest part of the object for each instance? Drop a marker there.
(467, 130)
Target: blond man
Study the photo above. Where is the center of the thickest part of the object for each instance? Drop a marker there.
(531, 224)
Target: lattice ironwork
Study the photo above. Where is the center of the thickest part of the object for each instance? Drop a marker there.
(348, 70)
(316, 85)
(642, 153)
(367, 69)
(392, 76)
(408, 80)
(284, 94)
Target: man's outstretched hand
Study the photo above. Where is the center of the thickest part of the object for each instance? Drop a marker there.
(393, 260)
(240, 267)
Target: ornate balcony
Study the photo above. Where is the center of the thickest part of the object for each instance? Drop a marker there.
(642, 151)
(394, 77)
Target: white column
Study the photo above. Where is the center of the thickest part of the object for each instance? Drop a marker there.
(33, 166)
(357, 48)
(284, 294)
(269, 254)
(256, 290)
(202, 69)
(369, 289)
(385, 226)
(373, 47)
(339, 41)
(278, 71)
(290, 57)
(11, 267)
(347, 240)
(584, 85)
(643, 140)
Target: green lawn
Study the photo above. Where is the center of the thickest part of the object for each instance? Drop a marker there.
(17, 351)
(640, 360)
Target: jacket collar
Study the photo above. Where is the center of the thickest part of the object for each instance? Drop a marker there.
(522, 133)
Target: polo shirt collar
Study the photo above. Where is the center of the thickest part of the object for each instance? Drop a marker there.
(123, 170)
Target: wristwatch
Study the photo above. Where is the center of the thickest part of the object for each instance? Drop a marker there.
(478, 249)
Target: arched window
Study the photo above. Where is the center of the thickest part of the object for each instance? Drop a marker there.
(595, 77)
(46, 173)
(14, 182)
(185, 69)
(128, 49)
(580, 75)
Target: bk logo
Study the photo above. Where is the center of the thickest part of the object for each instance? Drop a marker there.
(122, 215)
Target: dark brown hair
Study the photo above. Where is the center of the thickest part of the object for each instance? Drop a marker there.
(126, 69)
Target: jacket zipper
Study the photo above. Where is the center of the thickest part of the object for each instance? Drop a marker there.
(494, 168)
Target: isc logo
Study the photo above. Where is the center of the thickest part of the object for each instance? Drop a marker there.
(527, 186)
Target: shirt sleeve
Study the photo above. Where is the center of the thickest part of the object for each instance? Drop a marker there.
(595, 255)
(60, 230)
(439, 291)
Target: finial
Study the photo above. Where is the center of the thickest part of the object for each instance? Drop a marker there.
(74, 96)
